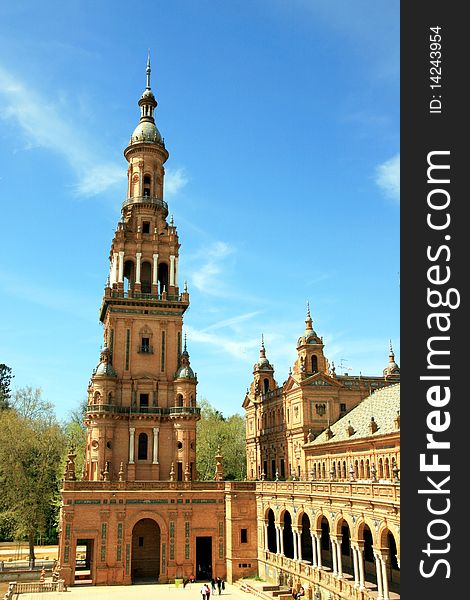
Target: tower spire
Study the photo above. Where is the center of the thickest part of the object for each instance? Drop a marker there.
(148, 70)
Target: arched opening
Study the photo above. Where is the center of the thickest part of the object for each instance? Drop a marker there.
(129, 276)
(147, 183)
(386, 469)
(314, 364)
(368, 548)
(325, 543)
(344, 470)
(179, 400)
(287, 536)
(146, 278)
(266, 385)
(381, 469)
(346, 552)
(162, 277)
(142, 446)
(271, 532)
(393, 570)
(145, 551)
(306, 539)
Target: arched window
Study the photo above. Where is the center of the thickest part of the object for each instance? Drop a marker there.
(381, 469)
(386, 469)
(179, 400)
(147, 181)
(266, 385)
(163, 276)
(129, 275)
(142, 446)
(314, 364)
(344, 469)
(146, 278)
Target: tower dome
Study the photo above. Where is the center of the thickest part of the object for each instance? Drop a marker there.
(146, 130)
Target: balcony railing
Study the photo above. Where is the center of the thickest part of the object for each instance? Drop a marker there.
(138, 410)
(140, 296)
(145, 349)
(146, 200)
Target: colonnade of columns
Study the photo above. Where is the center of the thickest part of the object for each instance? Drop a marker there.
(117, 269)
(357, 555)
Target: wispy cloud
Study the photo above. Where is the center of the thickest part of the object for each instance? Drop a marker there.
(42, 124)
(207, 277)
(387, 177)
(233, 322)
(240, 349)
(175, 181)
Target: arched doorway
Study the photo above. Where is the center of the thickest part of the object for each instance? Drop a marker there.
(306, 539)
(325, 543)
(272, 545)
(145, 551)
(288, 536)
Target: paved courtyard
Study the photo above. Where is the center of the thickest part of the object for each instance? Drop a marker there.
(140, 592)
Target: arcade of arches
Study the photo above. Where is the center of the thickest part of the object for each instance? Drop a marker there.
(360, 551)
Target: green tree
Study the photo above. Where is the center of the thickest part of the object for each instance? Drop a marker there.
(213, 431)
(5, 381)
(75, 434)
(31, 447)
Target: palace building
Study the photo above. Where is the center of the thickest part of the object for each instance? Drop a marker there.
(321, 502)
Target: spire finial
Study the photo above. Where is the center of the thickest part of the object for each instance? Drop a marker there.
(308, 319)
(262, 340)
(148, 71)
(185, 349)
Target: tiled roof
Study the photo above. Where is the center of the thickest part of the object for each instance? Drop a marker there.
(383, 405)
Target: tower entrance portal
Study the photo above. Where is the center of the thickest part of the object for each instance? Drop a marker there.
(145, 551)
(204, 557)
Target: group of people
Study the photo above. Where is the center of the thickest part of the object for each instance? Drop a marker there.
(215, 583)
(297, 593)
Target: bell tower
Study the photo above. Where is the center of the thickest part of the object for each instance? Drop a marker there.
(141, 415)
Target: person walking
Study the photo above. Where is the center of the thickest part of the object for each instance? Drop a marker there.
(213, 585)
(203, 591)
(219, 585)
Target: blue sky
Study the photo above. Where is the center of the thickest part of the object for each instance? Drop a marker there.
(282, 123)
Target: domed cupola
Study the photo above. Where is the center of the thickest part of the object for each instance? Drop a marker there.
(105, 368)
(263, 363)
(146, 131)
(392, 370)
(185, 371)
(310, 336)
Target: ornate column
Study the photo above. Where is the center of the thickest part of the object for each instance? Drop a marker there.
(356, 566)
(317, 540)
(281, 536)
(113, 277)
(131, 445)
(339, 559)
(172, 270)
(383, 560)
(155, 269)
(138, 256)
(333, 555)
(176, 271)
(266, 547)
(295, 543)
(314, 549)
(360, 560)
(299, 537)
(121, 267)
(278, 539)
(378, 569)
(155, 445)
